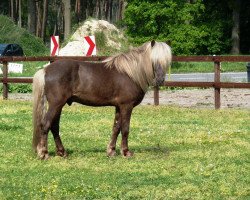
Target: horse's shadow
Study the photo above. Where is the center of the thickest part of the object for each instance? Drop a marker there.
(157, 149)
(151, 150)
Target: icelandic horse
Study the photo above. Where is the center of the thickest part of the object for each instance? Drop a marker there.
(120, 81)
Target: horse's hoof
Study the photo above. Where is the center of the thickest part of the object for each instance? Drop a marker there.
(111, 153)
(127, 154)
(43, 156)
(62, 154)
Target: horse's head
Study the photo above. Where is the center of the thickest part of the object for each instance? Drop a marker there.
(161, 57)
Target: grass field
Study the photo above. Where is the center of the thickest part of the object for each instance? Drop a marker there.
(179, 154)
(204, 67)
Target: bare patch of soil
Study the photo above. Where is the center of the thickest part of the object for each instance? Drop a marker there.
(230, 98)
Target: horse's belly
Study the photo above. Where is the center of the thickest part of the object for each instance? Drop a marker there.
(94, 100)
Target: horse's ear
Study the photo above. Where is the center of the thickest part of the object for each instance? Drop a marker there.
(152, 43)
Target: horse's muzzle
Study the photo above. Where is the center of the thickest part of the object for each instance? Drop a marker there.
(159, 76)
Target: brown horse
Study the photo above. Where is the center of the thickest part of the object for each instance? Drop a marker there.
(120, 81)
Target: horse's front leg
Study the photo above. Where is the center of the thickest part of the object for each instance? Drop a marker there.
(125, 123)
(116, 130)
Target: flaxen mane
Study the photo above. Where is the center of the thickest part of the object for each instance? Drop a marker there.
(138, 63)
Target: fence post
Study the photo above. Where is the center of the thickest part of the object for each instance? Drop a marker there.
(156, 95)
(248, 72)
(217, 101)
(5, 83)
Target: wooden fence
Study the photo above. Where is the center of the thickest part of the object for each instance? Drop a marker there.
(216, 84)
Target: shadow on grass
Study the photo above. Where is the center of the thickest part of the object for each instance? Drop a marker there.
(153, 150)
(157, 149)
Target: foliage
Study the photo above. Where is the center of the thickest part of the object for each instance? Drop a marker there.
(179, 154)
(200, 27)
(217, 19)
(245, 27)
(55, 18)
(20, 88)
(193, 26)
(107, 50)
(10, 33)
(101, 43)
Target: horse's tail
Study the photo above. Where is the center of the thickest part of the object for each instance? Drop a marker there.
(39, 105)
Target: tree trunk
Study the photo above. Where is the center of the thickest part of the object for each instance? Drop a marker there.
(67, 18)
(97, 9)
(44, 21)
(90, 9)
(83, 10)
(107, 7)
(56, 27)
(16, 10)
(121, 10)
(103, 9)
(32, 16)
(110, 11)
(78, 10)
(236, 28)
(19, 13)
(13, 10)
(39, 19)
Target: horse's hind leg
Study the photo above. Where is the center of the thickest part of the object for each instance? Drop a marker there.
(42, 148)
(116, 131)
(60, 151)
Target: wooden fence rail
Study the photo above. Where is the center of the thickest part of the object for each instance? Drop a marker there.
(217, 85)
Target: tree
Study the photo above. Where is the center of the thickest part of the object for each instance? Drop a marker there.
(13, 10)
(174, 21)
(31, 16)
(236, 27)
(193, 26)
(67, 18)
(245, 27)
(20, 13)
(38, 18)
(44, 21)
(78, 9)
(44, 18)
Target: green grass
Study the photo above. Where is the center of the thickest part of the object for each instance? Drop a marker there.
(204, 67)
(179, 154)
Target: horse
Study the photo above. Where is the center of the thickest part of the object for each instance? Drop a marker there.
(120, 81)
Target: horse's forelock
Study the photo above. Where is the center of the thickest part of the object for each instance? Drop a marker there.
(161, 55)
